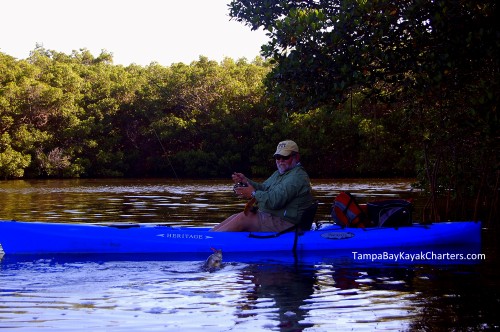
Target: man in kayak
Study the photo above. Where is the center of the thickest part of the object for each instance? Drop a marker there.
(281, 199)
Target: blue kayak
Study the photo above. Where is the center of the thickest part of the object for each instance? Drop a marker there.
(36, 238)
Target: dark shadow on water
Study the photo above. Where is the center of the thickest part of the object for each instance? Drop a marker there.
(287, 286)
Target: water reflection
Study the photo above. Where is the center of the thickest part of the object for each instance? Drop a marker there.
(54, 294)
(281, 291)
(323, 293)
(337, 294)
(325, 297)
(201, 202)
(115, 200)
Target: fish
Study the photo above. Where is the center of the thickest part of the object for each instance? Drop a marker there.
(214, 261)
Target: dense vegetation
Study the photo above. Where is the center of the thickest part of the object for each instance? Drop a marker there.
(426, 71)
(79, 115)
(367, 88)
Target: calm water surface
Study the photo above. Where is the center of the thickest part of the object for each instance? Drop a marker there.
(323, 293)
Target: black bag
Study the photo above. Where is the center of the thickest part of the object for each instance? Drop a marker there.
(390, 213)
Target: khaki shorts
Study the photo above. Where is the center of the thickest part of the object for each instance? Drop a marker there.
(270, 223)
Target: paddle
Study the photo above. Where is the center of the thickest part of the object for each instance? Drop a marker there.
(305, 222)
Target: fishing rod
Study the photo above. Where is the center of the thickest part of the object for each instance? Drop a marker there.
(166, 154)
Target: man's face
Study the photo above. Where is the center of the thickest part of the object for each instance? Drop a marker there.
(285, 163)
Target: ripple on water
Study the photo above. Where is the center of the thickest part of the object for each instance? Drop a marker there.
(155, 294)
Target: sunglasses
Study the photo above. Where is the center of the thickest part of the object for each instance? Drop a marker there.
(278, 157)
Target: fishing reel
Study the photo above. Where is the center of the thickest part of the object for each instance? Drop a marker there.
(250, 206)
(239, 185)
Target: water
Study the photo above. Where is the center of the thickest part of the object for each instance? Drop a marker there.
(152, 200)
(250, 293)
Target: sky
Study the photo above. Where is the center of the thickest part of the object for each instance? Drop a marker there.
(134, 31)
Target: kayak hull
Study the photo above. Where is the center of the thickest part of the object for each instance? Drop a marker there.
(34, 238)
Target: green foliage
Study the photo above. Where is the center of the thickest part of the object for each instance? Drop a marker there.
(365, 88)
(80, 115)
(324, 48)
(433, 64)
(12, 162)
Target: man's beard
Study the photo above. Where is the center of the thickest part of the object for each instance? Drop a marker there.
(284, 168)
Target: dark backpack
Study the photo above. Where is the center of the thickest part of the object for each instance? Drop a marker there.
(346, 212)
(390, 213)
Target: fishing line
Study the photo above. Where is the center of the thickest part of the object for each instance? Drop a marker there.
(165, 152)
(161, 144)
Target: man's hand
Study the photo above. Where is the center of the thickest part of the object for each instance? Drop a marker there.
(245, 192)
(239, 177)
